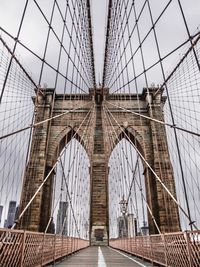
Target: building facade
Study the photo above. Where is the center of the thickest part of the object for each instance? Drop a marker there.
(11, 214)
(61, 226)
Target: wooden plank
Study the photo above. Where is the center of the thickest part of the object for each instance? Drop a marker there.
(101, 257)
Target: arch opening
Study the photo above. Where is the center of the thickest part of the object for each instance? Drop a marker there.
(62, 140)
(70, 202)
(127, 194)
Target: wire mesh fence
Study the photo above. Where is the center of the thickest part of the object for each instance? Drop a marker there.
(171, 250)
(29, 249)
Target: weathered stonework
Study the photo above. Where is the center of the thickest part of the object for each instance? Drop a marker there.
(150, 139)
(50, 138)
(48, 141)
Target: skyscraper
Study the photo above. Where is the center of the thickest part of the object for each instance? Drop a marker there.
(11, 214)
(61, 226)
(127, 226)
(145, 229)
(132, 225)
(122, 226)
(17, 212)
(1, 211)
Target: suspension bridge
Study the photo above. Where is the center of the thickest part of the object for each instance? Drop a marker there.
(99, 161)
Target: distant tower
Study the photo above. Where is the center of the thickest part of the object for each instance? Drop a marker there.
(132, 225)
(17, 212)
(1, 211)
(145, 229)
(5, 223)
(11, 214)
(62, 218)
(122, 223)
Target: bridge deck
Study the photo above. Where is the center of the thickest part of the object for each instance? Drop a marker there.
(102, 257)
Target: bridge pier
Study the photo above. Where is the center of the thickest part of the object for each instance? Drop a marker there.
(37, 215)
(150, 139)
(49, 139)
(99, 210)
(166, 214)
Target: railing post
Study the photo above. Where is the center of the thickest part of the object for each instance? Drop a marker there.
(150, 242)
(76, 247)
(23, 248)
(68, 242)
(142, 246)
(62, 247)
(165, 247)
(42, 249)
(72, 244)
(54, 253)
(188, 249)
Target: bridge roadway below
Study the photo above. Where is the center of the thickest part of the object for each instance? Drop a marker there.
(101, 257)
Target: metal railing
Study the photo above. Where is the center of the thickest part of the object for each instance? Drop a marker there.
(171, 249)
(31, 249)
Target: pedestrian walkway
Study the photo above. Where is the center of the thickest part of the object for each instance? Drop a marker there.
(102, 257)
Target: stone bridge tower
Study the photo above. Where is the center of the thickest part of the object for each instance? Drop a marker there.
(51, 137)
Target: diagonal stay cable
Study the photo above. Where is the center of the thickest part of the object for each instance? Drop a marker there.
(157, 62)
(39, 57)
(13, 51)
(155, 120)
(193, 44)
(50, 172)
(66, 177)
(148, 207)
(69, 197)
(58, 39)
(151, 169)
(20, 65)
(34, 125)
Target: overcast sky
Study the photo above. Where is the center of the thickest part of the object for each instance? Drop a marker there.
(171, 32)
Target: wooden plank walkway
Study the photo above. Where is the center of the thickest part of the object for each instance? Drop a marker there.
(101, 257)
